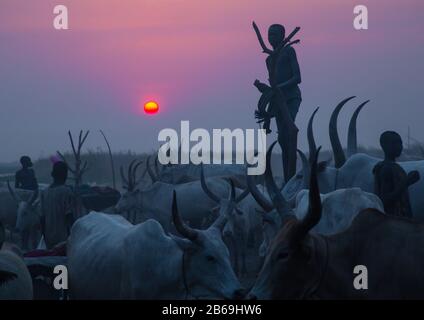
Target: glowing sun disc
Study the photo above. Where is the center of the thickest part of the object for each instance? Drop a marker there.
(151, 107)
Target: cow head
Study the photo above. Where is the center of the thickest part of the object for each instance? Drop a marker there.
(232, 225)
(327, 177)
(162, 172)
(207, 270)
(26, 215)
(129, 200)
(292, 266)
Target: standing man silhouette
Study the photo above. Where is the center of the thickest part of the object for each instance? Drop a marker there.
(57, 214)
(287, 76)
(25, 177)
(283, 94)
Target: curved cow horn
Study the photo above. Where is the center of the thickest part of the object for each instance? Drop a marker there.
(134, 173)
(124, 179)
(181, 227)
(276, 197)
(223, 217)
(257, 195)
(232, 196)
(242, 195)
(311, 139)
(13, 193)
(338, 153)
(142, 175)
(315, 207)
(130, 177)
(150, 171)
(305, 168)
(205, 188)
(156, 166)
(352, 142)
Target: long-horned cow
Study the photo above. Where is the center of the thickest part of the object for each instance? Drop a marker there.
(130, 184)
(236, 230)
(304, 265)
(109, 258)
(154, 201)
(339, 207)
(354, 172)
(183, 173)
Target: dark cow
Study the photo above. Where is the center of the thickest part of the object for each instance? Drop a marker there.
(303, 265)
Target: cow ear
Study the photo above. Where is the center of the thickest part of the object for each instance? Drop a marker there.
(215, 210)
(184, 244)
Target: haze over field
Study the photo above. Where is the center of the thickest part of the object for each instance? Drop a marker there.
(198, 59)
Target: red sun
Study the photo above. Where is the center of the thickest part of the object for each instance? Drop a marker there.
(151, 107)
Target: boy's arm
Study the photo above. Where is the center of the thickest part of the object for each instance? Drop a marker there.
(294, 65)
(390, 191)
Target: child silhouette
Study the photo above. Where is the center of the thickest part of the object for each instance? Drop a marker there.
(391, 181)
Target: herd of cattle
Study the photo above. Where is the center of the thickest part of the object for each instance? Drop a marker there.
(186, 235)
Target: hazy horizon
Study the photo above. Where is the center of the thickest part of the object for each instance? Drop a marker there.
(199, 61)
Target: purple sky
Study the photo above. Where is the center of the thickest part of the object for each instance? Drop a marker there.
(198, 59)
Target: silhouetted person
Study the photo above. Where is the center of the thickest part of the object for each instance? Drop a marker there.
(57, 214)
(391, 181)
(288, 78)
(25, 177)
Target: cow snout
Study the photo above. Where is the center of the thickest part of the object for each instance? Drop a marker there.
(239, 294)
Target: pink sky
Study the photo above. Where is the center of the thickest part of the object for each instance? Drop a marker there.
(199, 60)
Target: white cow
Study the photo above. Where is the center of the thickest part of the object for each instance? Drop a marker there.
(354, 172)
(109, 258)
(26, 216)
(15, 279)
(9, 206)
(199, 202)
(183, 173)
(154, 202)
(338, 207)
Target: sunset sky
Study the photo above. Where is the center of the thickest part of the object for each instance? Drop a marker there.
(199, 60)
